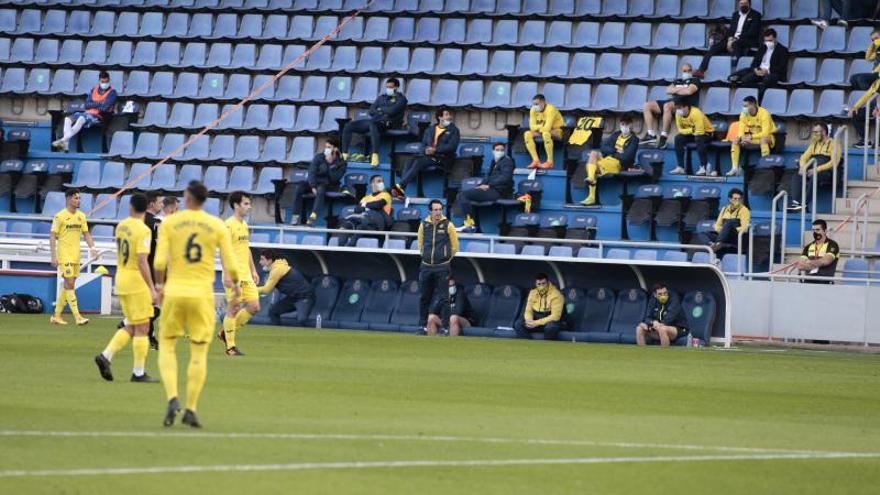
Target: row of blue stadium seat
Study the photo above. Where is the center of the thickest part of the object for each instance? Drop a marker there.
(218, 148)
(560, 35)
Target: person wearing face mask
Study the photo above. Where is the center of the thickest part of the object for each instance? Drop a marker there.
(732, 219)
(497, 184)
(863, 80)
(743, 35)
(325, 174)
(297, 293)
(455, 313)
(385, 113)
(857, 114)
(826, 152)
(372, 213)
(618, 151)
(438, 244)
(819, 258)
(693, 127)
(545, 122)
(769, 66)
(664, 319)
(687, 87)
(543, 311)
(100, 104)
(440, 143)
(756, 126)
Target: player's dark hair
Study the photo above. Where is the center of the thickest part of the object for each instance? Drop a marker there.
(541, 276)
(104, 75)
(71, 192)
(269, 254)
(626, 120)
(658, 286)
(821, 223)
(139, 202)
(539, 97)
(334, 141)
(152, 196)
(434, 202)
(237, 197)
(499, 144)
(394, 81)
(198, 192)
(733, 191)
(439, 113)
(168, 201)
(373, 177)
(750, 99)
(770, 32)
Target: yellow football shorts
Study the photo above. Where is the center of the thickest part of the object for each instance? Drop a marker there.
(608, 165)
(137, 308)
(68, 269)
(193, 315)
(248, 292)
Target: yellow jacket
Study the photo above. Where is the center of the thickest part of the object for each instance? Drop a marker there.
(871, 55)
(729, 213)
(278, 269)
(867, 96)
(696, 123)
(828, 148)
(760, 125)
(551, 301)
(546, 120)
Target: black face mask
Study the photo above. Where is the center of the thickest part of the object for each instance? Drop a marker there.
(744, 9)
(817, 236)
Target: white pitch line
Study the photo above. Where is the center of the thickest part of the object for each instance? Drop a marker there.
(313, 466)
(401, 438)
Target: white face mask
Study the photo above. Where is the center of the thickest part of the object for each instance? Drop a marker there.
(267, 268)
(746, 110)
(537, 108)
(498, 155)
(328, 152)
(769, 45)
(682, 112)
(445, 122)
(104, 85)
(452, 290)
(380, 186)
(624, 129)
(685, 75)
(389, 91)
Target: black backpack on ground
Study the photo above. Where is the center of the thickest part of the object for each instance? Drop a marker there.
(20, 303)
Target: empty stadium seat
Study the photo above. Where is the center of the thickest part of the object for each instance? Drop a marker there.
(499, 309)
(700, 309)
(350, 304)
(629, 311)
(590, 317)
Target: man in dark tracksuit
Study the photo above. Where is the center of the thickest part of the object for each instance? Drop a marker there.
(298, 293)
(440, 144)
(497, 184)
(373, 212)
(325, 174)
(154, 206)
(438, 243)
(664, 319)
(385, 113)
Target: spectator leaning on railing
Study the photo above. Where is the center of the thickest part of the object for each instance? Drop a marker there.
(819, 258)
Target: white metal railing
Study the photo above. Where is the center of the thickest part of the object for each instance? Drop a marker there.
(739, 249)
(872, 99)
(811, 167)
(844, 155)
(864, 199)
(782, 195)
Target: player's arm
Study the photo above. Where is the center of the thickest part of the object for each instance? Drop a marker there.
(160, 261)
(453, 238)
(231, 277)
(53, 255)
(275, 275)
(254, 273)
(143, 260)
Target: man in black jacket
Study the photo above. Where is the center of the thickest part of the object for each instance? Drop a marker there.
(438, 243)
(385, 113)
(298, 293)
(440, 143)
(497, 184)
(744, 35)
(372, 213)
(618, 152)
(664, 320)
(769, 66)
(325, 173)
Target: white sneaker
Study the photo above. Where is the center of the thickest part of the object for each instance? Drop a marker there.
(713, 173)
(734, 172)
(820, 23)
(677, 171)
(701, 171)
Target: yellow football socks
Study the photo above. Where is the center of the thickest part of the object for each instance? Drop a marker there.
(196, 373)
(229, 330)
(168, 366)
(242, 317)
(60, 302)
(530, 146)
(140, 346)
(120, 339)
(74, 306)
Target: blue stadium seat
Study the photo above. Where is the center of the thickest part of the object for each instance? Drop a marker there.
(103, 232)
(700, 309)
(112, 176)
(558, 34)
(164, 177)
(240, 179)
(609, 65)
(857, 269)
(561, 251)
(216, 178)
(122, 209)
(833, 40)
(831, 73)
(732, 264)
(108, 210)
(155, 115)
(692, 36)
(717, 101)
(312, 240)
(618, 254)
(379, 305)
(54, 202)
(302, 150)
(502, 311)
(88, 175)
(13, 81)
(644, 255)
(675, 256)
(533, 250)
(859, 37)
(629, 310)
(405, 317)
(476, 247)
(327, 290)
(800, 102)
(274, 150)
(775, 101)
(590, 315)
(350, 304)
(830, 104)
(804, 39)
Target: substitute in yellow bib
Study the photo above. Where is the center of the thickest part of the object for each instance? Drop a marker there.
(755, 127)
(134, 286)
(188, 242)
(68, 227)
(239, 311)
(618, 151)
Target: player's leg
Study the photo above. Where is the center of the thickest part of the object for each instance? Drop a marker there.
(666, 334)
(117, 343)
(529, 139)
(61, 297)
(456, 324)
(140, 347)
(70, 289)
(170, 328)
(200, 321)
(249, 305)
(433, 325)
(641, 332)
(227, 335)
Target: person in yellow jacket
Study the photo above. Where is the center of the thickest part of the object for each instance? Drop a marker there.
(826, 152)
(755, 127)
(857, 114)
(693, 127)
(545, 122)
(732, 219)
(543, 311)
(864, 80)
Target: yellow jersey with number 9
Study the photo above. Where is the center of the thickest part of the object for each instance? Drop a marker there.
(239, 237)
(133, 237)
(68, 228)
(188, 241)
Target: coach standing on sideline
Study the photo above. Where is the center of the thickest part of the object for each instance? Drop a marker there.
(438, 243)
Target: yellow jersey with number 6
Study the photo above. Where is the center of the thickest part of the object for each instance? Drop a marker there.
(188, 241)
(239, 237)
(133, 237)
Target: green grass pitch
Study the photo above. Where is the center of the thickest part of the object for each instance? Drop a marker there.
(337, 412)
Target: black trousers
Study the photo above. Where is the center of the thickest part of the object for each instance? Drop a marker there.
(433, 280)
(747, 77)
(795, 187)
(368, 220)
(858, 121)
(550, 330)
(475, 195)
(720, 48)
(682, 140)
(303, 188)
(863, 80)
(727, 237)
(416, 166)
(362, 126)
(287, 304)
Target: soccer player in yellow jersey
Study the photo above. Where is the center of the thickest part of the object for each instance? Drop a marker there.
(134, 286)
(239, 311)
(68, 227)
(188, 241)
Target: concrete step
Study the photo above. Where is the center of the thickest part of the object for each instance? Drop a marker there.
(846, 206)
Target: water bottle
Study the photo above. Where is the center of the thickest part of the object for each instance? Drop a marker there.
(318, 321)
(690, 340)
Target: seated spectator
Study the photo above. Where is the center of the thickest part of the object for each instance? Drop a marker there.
(298, 294)
(618, 151)
(732, 219)
(373, 212)
(857, 114)
(325, 174)
(717, 41)
(847, 10)
(769, 66)
(440, 142)
(693, 127)
(497, 184)
(543, 311)
(100, 104)
(824, 149)
(819, 258)
(863, 80)
(686, 88)
(664, 319)
(385, 113)
(545, 122)
(744, 35)
(170, 204)
(453, 312)
(756, 126)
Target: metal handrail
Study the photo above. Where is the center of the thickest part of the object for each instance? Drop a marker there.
(863, 199)
(739, 248)
(811, 165)
(783, 195)
(867, 128)
(845, 156)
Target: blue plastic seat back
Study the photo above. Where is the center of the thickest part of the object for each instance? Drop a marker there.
(381, 301)
(629, 310)
(88, 174)
(352, 298)
(618, 254)
(326, 293)
(598, 307)
(406, 311)
(734, 263)
(700, 310)
(561, 251)
(54, 202)
(107, 209)
(675, 256)
(480, 298)
(504, 308)
(645, 255)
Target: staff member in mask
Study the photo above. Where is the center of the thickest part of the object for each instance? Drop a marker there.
(455, 314)
(438, 244)
(826, 152)
(693, 127)
(543, 311)
(618, 151)
(733, 219)
(664, 319)
(385, 113)
(440, 142)
(373, 212)
(744, 35)
(769, 66)
(686, 87)
(819, 257)
(298, 294)
(863, 80)
(497, 184)
(545, 122)
(755, 126)
(325, 174)
(100, 104)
